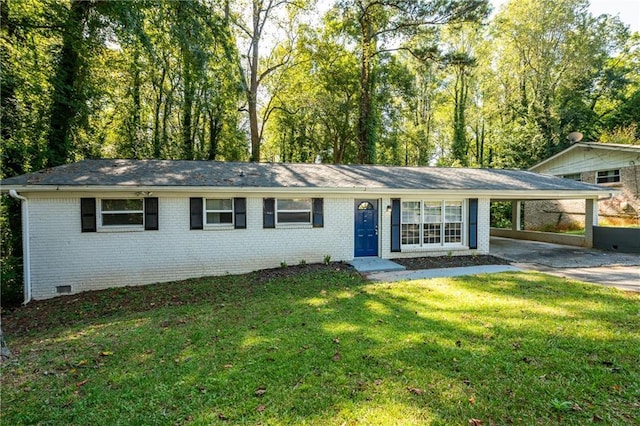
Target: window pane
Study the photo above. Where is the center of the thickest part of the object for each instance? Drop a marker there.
(121, 219)
(294, 204)
(294, 217)
(608, 176)
(432, 233)
(218, 218)
(432, 212)
(365, 205)
(122, 205)
(219, 204)
(453, 211)
(411, 212)
(453, 233)
(411, 234)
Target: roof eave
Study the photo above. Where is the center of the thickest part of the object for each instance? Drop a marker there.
(513, 194)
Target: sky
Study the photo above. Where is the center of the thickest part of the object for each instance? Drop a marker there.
(627, 10)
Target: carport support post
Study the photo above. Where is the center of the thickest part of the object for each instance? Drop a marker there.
(516, 212)
(590, 220)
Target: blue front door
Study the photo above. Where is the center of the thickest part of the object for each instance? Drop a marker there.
(366, 228)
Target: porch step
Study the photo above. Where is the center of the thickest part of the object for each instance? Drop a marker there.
(367, 265)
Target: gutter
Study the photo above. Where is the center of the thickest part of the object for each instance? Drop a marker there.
(26, 257)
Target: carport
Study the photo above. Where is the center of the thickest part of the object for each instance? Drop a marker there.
(584, 264)
(590, 214)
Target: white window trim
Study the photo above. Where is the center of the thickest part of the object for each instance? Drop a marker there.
(308, 224)
(442, 245)
(118, 228)
(217, 226)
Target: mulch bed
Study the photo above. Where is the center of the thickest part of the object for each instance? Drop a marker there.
(415, 263)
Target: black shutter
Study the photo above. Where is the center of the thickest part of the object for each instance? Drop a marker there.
(151, 214)
(240, 213)
(395, 225)
(473, 223)
(196, 213)
(88, 214)
(268, 213)
(318, 213)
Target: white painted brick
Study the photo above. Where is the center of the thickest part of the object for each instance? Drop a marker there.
(62, 255)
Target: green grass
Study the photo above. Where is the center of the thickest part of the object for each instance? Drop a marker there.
(326, 347)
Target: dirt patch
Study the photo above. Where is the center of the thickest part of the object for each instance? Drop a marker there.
(416, 263)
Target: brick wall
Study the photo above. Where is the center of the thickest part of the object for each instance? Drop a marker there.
(61, 255)
(622, 207)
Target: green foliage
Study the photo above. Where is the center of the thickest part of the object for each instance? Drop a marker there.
(10, 252)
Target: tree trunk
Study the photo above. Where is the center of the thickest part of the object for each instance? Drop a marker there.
(67, 100)
(366, 124)
(252, 94)
(5, 353)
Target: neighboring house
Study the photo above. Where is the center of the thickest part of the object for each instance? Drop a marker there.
(106, 223)
(613, 166)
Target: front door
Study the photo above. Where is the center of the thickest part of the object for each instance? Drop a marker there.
(366, 228)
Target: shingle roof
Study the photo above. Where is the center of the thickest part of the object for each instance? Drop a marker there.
(178, 173)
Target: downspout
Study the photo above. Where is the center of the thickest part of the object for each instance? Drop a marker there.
(26, 256)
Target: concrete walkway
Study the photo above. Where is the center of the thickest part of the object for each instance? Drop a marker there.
(367, 265)
(385, 270)
(439, 273)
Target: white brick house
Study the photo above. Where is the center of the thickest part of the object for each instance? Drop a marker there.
(106, 223)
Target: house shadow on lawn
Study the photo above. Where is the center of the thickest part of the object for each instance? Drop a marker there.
(326, 347)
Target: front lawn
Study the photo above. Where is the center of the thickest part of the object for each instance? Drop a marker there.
(327, 347)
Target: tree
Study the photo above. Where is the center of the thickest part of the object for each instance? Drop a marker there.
(549, 54)
(251, 29)
(377, 25)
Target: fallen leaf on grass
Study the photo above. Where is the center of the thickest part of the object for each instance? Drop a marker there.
(475, 422)
(336, 357)
(261, 408)
(228, 366)
(82, 383)
(260, 391)
(336, 340)
(472, 400)
(106, 353)
(415, 391)
(576, 407)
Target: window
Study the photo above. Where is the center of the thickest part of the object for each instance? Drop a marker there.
(453, 222)
(122, 212)
(219, 211)
(608, 176)
(432, 223)
(293, 210)
(573, 176)
(365, 205)
(411, 222)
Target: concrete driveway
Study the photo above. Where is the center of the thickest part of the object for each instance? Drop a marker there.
(620, 270)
